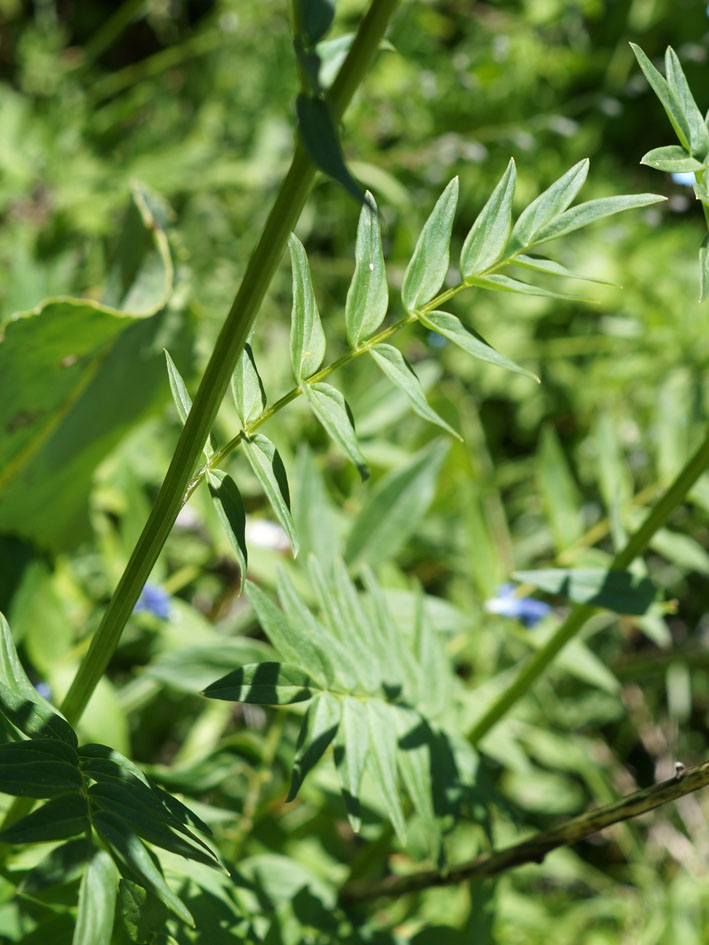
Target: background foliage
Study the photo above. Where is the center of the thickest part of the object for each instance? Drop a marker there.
(141, 145)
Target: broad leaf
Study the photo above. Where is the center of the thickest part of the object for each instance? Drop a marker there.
(319, 135)
(661, 88)
(97, 901)
(679, 88)
(351, 748)
(63, 817)
(368, 294)
(399, 371)
(317, 731)
(673, 159)
(488, 236)
(382, 761)
(270, 472)
(452, 328)
(429, 264)
(619, 591)
(247, 388)
(265, 684)
(393, 509)
(132, 853)
(230, 509)
(548, 206)
(331, 409)
(307, 339)
(593, 210)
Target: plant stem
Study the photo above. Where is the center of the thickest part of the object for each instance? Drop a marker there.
(536, 848)
(635, 545)
(229, 345)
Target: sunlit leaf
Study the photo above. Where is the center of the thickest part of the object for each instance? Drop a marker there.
(268, 468)
(553, 268)
(351, 748)
(620, 591)
(247, 387)
(307, 339)
(230, 509)
(330, 407)
(368, 294)
(265, 684)
(593, 210)
(673, 159)
(500, 283)
(548, 206)
(97, 901)
(661, 88)
(317, 731)
(429, 263)
(693, 118)
(488, 236)
(381, 762)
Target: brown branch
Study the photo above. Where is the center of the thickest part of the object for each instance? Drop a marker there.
(536, 848)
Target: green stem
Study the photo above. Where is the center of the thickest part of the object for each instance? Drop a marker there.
(229, 345)
(636, 544)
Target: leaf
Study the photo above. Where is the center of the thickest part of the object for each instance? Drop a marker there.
(351, 749)
(679, 89)
(669, 102)
(559, 492)
(429, 264)
(368, 294)
(317, 731)
(672, 159)
(499, 283)
(63, 817)
(141, 913)
(315, 18)
(307, 339)
(548, 206)
(704, 269)
(190, 669)
(681, 550)
(319, 136)
(293, 646)
(131, 852)
(344, 607)
(488, 236)
(21, 703)
(97, 901)
(62, 865)
(66, 396)
(268, 468)
(34, 776)
(315, 514)
(593, 210)
(331, 409)
(178, 389)
(393, 509)
(247, 388)
(399, 371)
(230, 509)
(265, 684)
(452, 328)
(619, 591)
(382, 762)
(348, 670)
(415, 765)
(400, 672)
(553, 268)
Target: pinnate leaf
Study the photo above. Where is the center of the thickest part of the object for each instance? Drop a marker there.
(317, 731)
(247, 388)
(268, 468)
(593, 210)
(429, 264)
(399, 371)
(265, 684)
(368, 294)
(488, 236)
(307, 339)
(667, 97)
(230, 509)
(548, 206)
(97, 901)
(330, 407)
(60, 818)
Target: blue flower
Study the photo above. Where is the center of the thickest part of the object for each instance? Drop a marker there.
(153, 600)
(43, 689)
(528, 610)
(685, 178)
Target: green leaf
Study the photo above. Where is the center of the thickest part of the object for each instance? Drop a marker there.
(368, 294)
(62, 865)
(132, 853)
(97, 901)
(679, 88)
(307, 339)
(619, 591)
(415, 766)
(348, 670)
(351, 749)
(315, 515)
(593, 210)
(399, 371)
(344, 607)
(178, 389)
(452, 328)
(382, 762)
(499, 283)
(149, 819)
(67, 395)
(488, 236)
(290, 642)
(317, 731)
(247, 388)
(331, 409)
(21, 703)
(265, 684)
(190, 669)
(548, 206)
(400, 673)
(429, 264)
(681, 550)
(319, 136)
(393, 509)
(672, 159)
(30, 774)
(315, 18)
(559, 491)
(268, 468)
(63, 817)
(230, 509)
(704, 269)
(668, 99)
(141, 913)
(553, 268)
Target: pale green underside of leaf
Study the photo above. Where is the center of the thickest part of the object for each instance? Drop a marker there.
(488, 236)
(382, 762)
(673, 159)
(368, 294)
(500, 283)
(548, 206)
(593, 210)
(429, 263)
(553, 268)
(351, 751)
(679, 88)
(247, 388)
(330, 408)
(307, 338)
(268, 468)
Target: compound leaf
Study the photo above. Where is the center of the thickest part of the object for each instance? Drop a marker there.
(368, 294)
(429, 264)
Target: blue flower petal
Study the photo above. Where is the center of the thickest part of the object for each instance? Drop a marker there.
(153, 600)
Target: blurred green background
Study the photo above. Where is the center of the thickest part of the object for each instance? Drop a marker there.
(193, 101)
